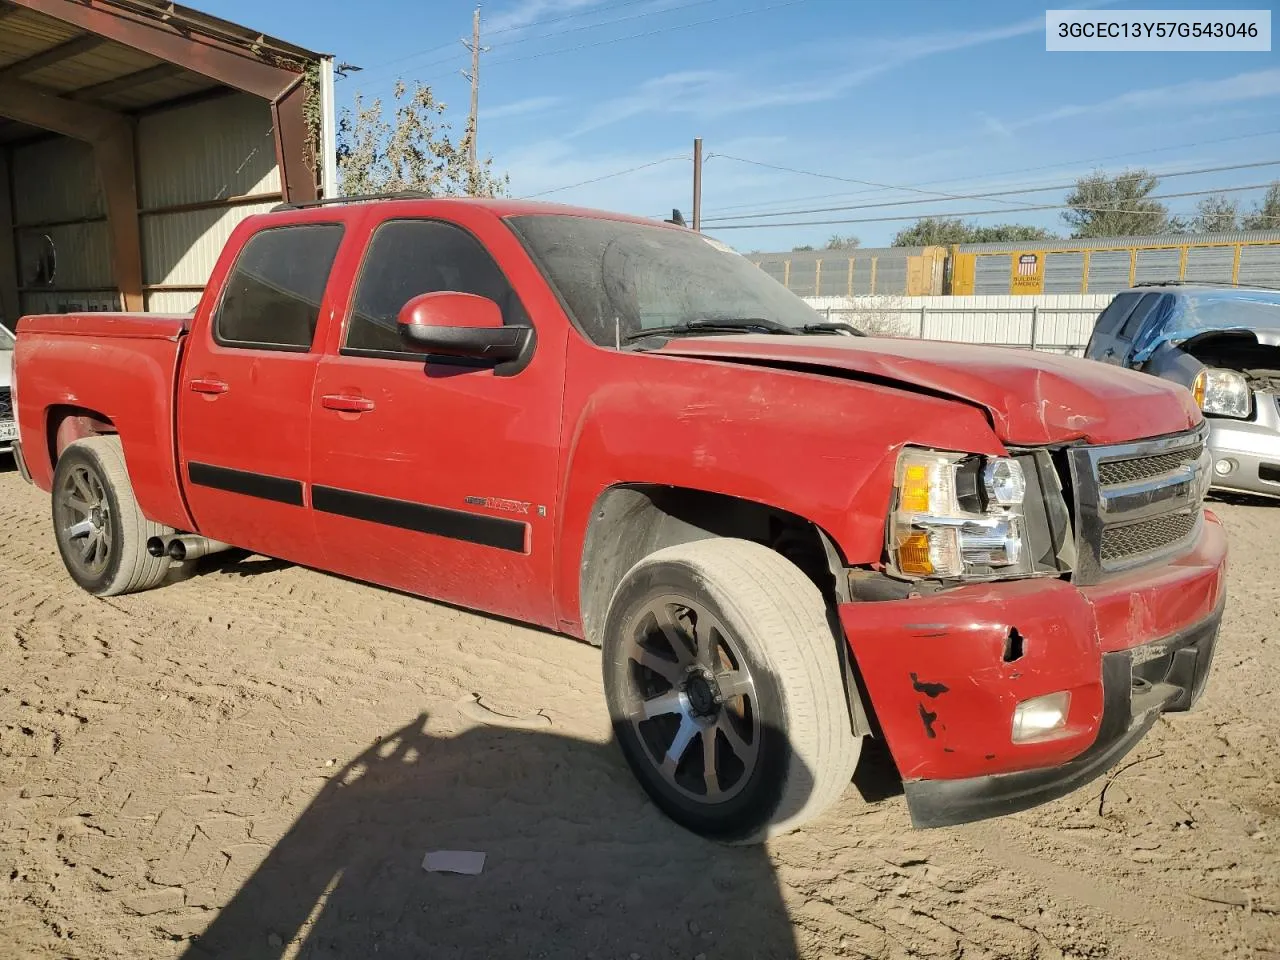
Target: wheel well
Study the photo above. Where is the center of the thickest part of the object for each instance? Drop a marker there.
(631, 521)
(67, 424)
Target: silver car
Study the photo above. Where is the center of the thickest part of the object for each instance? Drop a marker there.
(8, 427)
(1223, 344)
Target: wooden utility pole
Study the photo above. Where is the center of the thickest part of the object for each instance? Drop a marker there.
(697, 183)
(473, 120)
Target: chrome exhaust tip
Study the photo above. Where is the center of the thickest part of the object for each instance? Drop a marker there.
(157, 547)
(192, 547)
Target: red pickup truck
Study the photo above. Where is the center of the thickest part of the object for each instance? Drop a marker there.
(784, 535)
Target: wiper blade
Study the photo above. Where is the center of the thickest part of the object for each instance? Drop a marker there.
(834, 326)
(707, 325)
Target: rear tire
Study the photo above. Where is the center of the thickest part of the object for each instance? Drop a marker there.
(726, 691)
(101, 532)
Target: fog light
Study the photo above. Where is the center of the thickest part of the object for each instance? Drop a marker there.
(1223, 467)
(1040, 716)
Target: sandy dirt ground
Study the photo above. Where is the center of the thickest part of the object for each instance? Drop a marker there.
(252, 763)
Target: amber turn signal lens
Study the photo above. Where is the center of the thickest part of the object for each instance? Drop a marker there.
(1197, 389)
(915, 489)
(913, 555)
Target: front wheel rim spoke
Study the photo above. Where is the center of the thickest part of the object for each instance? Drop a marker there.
(710, 774)
(668, 670)
(684, 736)
(736, 683)
(662, 705)
(674, 634)
(89, 547)
(744, 751)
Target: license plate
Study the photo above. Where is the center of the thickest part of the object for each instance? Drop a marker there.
(8, 431)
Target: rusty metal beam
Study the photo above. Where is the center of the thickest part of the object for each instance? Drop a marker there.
(206, 55)
(53, 55)
(289, 128)
(38, 107)
(109, 88)
(117, 170)
(10, 302)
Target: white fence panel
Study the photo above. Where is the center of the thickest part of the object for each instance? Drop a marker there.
(1060, 323)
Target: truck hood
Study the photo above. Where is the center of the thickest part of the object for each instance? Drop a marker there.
(1031, 398)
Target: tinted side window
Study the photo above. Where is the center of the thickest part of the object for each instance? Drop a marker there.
(1116, 313)
(272, 298)
(407, 258)
(1140, 313)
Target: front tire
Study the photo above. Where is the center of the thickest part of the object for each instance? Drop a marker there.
(726, 691)
(101, 532)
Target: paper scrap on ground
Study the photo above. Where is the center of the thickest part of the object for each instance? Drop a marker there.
(453, 861)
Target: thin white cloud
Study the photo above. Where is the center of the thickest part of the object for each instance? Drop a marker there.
(712, 93)
(527, 12)
(520, 108)
(1254, 85)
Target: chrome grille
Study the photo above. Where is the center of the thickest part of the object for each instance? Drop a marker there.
(1143, 468)
(1146, 536)
(1137, 503)
(6, 404)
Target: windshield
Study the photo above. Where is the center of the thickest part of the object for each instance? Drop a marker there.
(1197, 313)
(6, 339)
(619, 279)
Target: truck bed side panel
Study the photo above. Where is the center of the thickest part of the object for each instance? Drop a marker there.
(118, 368)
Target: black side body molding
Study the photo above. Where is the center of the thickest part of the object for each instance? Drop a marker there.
(279, 489)
(440, 521)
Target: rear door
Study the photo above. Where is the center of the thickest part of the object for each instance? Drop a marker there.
(244, 411)
(434, 477)
(1102, 345)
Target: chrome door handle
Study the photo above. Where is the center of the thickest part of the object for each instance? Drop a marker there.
(346, 404)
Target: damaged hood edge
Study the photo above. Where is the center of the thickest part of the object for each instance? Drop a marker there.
(1031, 398)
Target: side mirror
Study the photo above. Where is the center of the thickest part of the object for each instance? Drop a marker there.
(461, 325)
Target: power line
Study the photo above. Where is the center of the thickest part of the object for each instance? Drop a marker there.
(932, 194)
(387, 64)
(607, 176)
(651, 33)
(1001, 173)
(982, 213)
(991, 195)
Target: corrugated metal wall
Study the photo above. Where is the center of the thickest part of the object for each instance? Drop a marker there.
(60, 223)
(201, 169)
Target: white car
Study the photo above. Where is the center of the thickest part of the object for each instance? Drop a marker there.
(8, 426)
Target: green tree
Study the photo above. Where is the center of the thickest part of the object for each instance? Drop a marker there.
(943, 231)
(414, 151)
(1216, 213)
(1102, 206)
(837, 242)
(1266, 215)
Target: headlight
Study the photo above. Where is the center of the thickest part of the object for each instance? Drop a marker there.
(958, 515)
(1222, 392)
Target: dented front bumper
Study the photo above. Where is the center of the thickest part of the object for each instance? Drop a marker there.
(945, 672)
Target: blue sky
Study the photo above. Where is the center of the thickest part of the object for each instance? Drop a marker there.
(940, 98)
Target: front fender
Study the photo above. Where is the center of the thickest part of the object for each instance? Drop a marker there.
(820, 447)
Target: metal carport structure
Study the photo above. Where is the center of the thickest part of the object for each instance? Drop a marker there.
(99, 73)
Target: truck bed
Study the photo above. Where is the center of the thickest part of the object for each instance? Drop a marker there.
(84, 373)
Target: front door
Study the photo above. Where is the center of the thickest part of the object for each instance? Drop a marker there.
(244, 404)
(1103, 344)
(435, 478)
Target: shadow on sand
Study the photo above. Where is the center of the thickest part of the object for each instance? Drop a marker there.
(579, 863)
